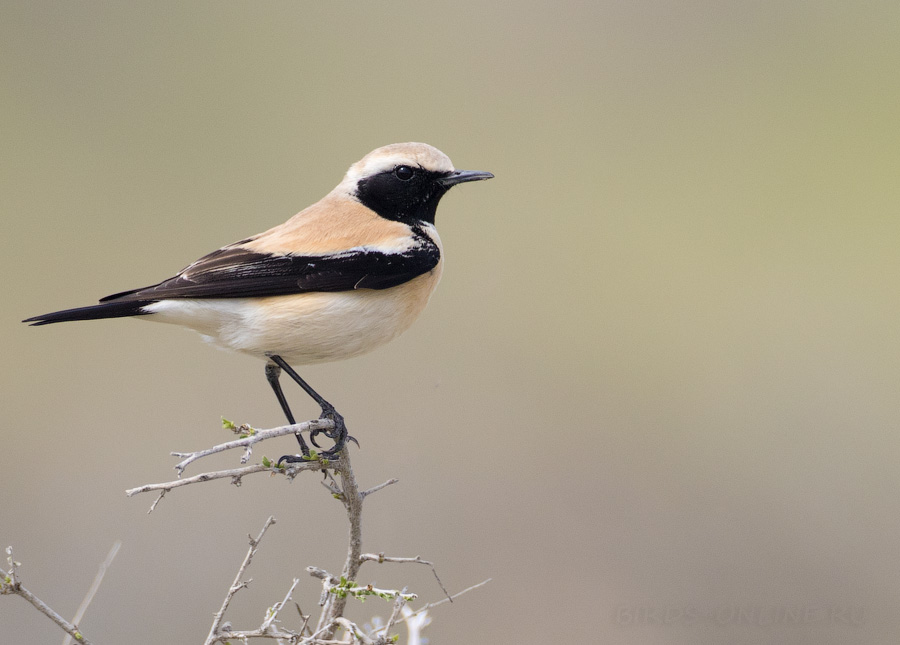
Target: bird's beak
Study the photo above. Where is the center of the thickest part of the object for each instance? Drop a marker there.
(462, 176)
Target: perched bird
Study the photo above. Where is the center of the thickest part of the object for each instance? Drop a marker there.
(338, 279)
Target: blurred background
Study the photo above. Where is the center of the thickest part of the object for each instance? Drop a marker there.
(655, 397)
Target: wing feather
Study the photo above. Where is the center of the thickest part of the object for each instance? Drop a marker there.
(237, 272)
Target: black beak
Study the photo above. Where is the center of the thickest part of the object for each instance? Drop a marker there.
(462, 176)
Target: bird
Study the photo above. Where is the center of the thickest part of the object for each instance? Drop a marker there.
(338, 279)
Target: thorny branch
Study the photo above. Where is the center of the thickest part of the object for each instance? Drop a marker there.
(399, 604)
(450, 598)
(234, 473)
(381, 557)
(250, 437)
(238, 584)
(335, 590)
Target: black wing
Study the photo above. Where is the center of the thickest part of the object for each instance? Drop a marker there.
(235, 272)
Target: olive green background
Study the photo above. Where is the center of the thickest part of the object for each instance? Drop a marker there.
(655, 397)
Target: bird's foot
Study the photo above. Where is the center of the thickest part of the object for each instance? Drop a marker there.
(294, 459)
(338, 433)
(302, 457)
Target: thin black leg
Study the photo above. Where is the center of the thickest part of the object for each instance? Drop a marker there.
(339, 433)
(273, 372)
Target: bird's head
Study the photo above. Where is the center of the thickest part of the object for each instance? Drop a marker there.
(404, 181)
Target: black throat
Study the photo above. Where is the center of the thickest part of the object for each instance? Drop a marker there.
(404, 201)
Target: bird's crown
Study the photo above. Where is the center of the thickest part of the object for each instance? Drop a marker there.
(388, 157)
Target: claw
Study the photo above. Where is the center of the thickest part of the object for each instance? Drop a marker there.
(292, 459)
(338, 433)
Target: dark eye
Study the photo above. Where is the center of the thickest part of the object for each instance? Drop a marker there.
(403, 173)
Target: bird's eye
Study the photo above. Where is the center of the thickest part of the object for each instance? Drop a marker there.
(403, 173)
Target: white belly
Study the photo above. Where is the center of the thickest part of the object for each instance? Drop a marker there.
(307, 327)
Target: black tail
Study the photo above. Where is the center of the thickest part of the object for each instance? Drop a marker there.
(104, 310)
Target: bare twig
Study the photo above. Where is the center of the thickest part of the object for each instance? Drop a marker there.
(354, 631)
(238, 584)
(234, 473)
(248, 441)
(328, 581)
(322, 575)
(375, 489)
(331, 485)
(272, 614)
(381, 557)
(10, 585)
(305, 619)
(314, 638)
(399, 603)
(156, 501)
(94, 587)
(450, 598)
(203, 477)
(245, 635)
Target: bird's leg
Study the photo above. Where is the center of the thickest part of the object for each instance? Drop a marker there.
(273, 372)
(339, 433)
